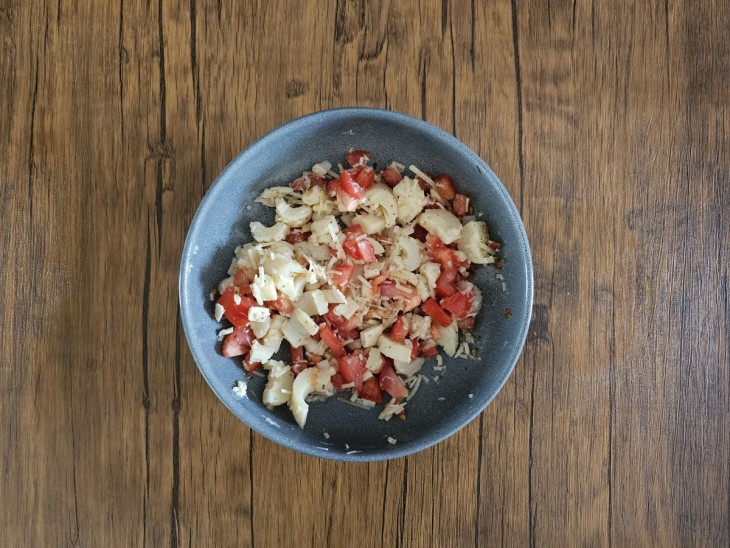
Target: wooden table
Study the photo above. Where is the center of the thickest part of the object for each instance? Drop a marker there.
(609, 123)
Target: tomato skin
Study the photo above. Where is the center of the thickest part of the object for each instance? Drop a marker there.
(399, 330)
(342, 323)
(331, 340)
(282, 305)
(388, 288)
(352, 368)
(429, 351)
(297, 354)
(367, 252)
(467, 324)
(445, 186)
(445, 284)
(250, 366)
(391, 176)
(353, 231)
(348, 184)
(353, 158)
(337, 381)
(237, 314)
(365, 178)
(459, 304)
(391, 383)
(296, 236)
(437, 313)
(461, 205)
(341, 275)
(241, 282)
(370, 390)
(239, 342)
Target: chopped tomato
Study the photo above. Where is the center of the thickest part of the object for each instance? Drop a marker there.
(355, 157)
(399, 330)
(370, 390)
(348, 334)
(298, 367)
(348, 184)
(416, 348)
(425, 186)
(297, 354)
(467, 324)
(496, 246)
(351, 249)
(390, 289)
(445, 186)
(459, 303)
(239, 342)
(352, 368)
(347, 201)
(337, 381)
(301, 184)
(437, 313)
(282, 305)
(391, 176)
(296, 236)
(419, 233)
(353, 231)
(248, 365)
(445, 283)
(367, 252)
(429, 350)
(331, 340)
(342, 323)
(365, 178)
(241, 282)
(392, 383)
(236, 313)
(461, 205)
(341, 275)
(446, 257)
(317, 180)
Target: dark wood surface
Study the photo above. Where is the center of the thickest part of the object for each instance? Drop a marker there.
(609, 123)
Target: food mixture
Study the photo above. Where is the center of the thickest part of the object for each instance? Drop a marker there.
(365, 274)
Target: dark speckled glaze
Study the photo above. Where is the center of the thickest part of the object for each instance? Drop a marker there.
(464, 388)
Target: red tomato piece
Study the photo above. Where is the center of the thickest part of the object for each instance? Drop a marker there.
(370, 390)
(297, 354)
(348, 184)
(392, 383)
(467, 324)
(459, 304)
(341, 275)
(337, 381)
(241, 282)
(445, 283)
(390, 289)
(282, 305)
(355, 157)
(365, 178)
(352, 368)
(239, 342)
(367, 253)
(301, 184)
(341, 323)
(248, 365)
(445, 186)
(419, 233)
(391, 176)
(429, 350)
(298, 367)
(416, 348)
(399, 330)
(296, 236)
(353, 231)
(352, 249)
(331, 340)
(461, 205)
(496, 246)
(236, 313)
(437, 313)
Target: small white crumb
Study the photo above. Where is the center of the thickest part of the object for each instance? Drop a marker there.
(392, 441)
(441, 399)
(471, 396)
(347, 447)
(223, 332)
(437, 368)
(436, 378)
(326, 436)
(248, 207)
(439, 359)
(212, 296)
(219, 311)
(239, 389)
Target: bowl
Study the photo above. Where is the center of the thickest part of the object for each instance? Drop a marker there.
(452, 397)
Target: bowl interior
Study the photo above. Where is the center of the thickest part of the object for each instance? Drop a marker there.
(453, 396)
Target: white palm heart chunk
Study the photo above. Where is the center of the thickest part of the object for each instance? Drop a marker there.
(364, 274)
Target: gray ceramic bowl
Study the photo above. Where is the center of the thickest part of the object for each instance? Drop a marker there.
(464, 388)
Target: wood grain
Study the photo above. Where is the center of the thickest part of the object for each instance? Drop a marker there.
(609, 124)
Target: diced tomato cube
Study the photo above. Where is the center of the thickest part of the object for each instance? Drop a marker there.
(367, 252)
(445, 283)
(348, 184)
(352, 249)
(437, 313)
(391, 176)
(352, 368)
(239, 342)
(241, 282)
(341, 275)
(392, 383)
(331, 340)
(297, 354)
(467, 324)
(399, 330)
(282, 305)
(353, 231)
(337, 381)
(390, 289)
(235, 312)
(354, 157)
(248, 365)
(370, 390)
(301, 184)
(365, 178)
(429, 350)
(459, 303)
(461, 205)
(341, 323)
(445, 186)
(296, 236)
(298, 367)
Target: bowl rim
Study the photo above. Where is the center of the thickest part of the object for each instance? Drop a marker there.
(393, 451)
